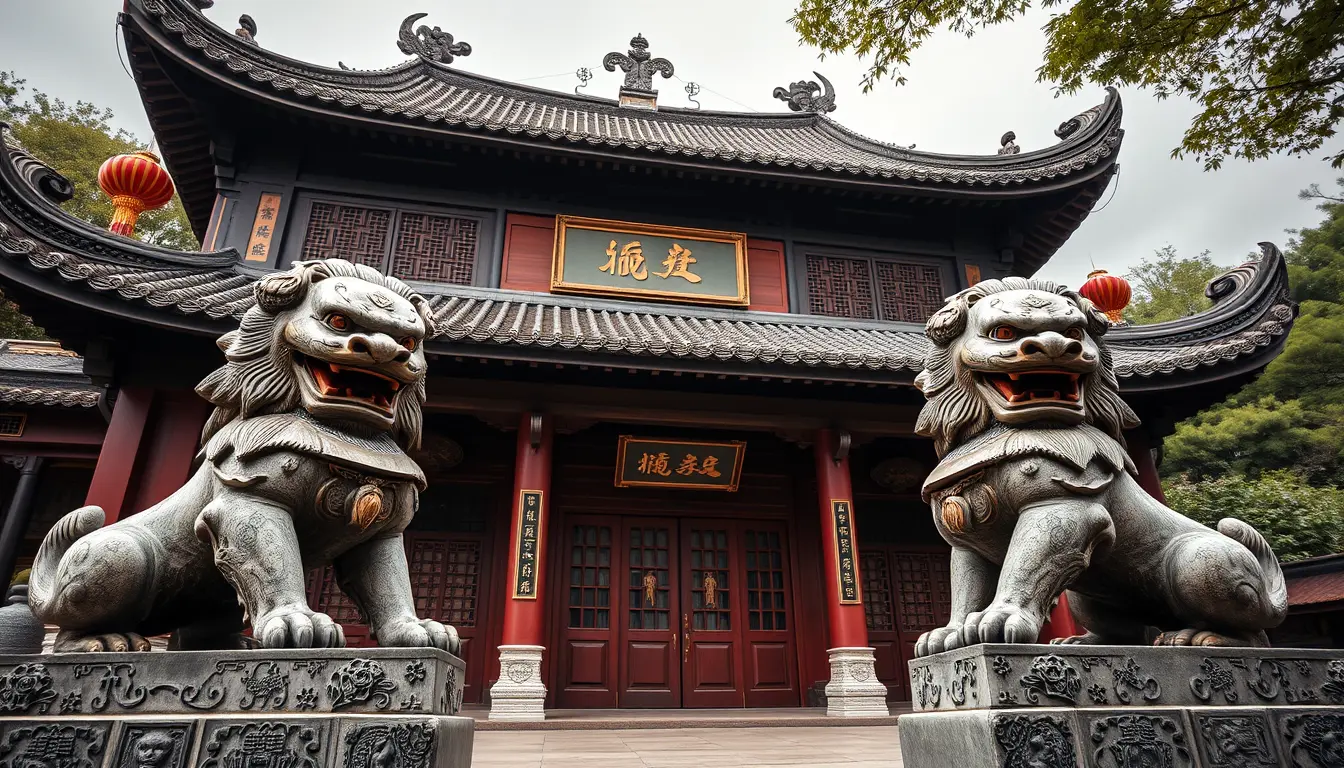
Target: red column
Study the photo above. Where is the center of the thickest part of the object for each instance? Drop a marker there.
(523, 617)
(848, 625)
(148, 449)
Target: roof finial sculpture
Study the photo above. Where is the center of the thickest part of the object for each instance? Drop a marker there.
(639, 69)
(693, 90)
(807, 96)
(584, 74)
(1008, 144)
(247, 29)
(428, 42)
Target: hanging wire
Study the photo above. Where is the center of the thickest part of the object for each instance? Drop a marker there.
(1114, 190)
(544, 77)
(720, 95)
(116, 46)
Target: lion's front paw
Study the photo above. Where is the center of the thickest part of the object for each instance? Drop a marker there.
(1001, 623)
(938, 640)
(296, 626)
(419, 633)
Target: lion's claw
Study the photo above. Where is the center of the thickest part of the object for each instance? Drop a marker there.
(1001, 623)
(938, 640)
(419, 633)
(295, 626)
(112, 642)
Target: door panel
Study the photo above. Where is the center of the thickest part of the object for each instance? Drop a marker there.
(650, 674)
(447, 584)
(710, 627)
(587, 664)
(769, 633)
(325, 596)
(880, 607)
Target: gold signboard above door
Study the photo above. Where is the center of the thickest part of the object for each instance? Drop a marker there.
(645, 261)
(658, 463)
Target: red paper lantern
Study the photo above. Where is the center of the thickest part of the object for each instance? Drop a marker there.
(1110, 293)
(136, 183)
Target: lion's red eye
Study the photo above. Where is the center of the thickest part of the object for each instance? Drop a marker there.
(1004, 333)
(338, 321)
(409, 343)
(1074, 333)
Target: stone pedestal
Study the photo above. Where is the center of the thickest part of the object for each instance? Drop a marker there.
(307, 708)
(1054, 706)
(854, 690)
(519, 693)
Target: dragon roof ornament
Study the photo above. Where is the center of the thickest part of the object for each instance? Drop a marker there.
(639, 68)
(430, 43)
(808, 96)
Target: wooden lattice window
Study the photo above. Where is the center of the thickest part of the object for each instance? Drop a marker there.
(765, 581)
(710, 605)
(877, 591)
(329, 599)
(590, 577)
(650, 579)
(868, 288)
(445, 580)
(411, 245)
(915, 577)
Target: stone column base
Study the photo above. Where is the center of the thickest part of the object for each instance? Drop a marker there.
(519, 693)
(854, 690)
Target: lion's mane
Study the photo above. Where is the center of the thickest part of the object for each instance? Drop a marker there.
(956, 411)
(259, 376)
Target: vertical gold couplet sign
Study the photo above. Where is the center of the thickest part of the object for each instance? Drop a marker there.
(846, 557)
(263, 227)
(529, 535)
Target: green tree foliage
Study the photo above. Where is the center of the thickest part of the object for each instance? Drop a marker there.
(1292, 417)
(1299, 519)
(75, 140)
(1268, 74)
(1167, 287)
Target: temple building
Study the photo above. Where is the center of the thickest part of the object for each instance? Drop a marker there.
(669, 434)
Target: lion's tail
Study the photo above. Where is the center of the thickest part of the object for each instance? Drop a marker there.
(69, 529)
(1276, 589)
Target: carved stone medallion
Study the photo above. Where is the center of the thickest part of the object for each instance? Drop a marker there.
(53, 745)
(1034, 741)
(26, 687)
(263, 744)
(930, 693)
(1235, 741)
(1139, 741)
(358, 681)
(1052, 676)
(409, 745)
(154, 745)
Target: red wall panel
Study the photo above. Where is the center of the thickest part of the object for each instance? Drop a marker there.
(766, 276)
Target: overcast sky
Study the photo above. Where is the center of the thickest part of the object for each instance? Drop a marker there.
(961, 96)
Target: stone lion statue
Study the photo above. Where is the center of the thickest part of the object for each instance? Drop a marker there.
(303, 464)
(1036, 493)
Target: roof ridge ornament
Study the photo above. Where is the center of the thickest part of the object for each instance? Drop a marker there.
(1077, 123)
(428, 42)
(247, 29)
(1008, 144)
(639, 69)
(808, 96)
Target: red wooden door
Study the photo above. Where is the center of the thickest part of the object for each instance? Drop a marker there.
(446, 580)
(650, 669)
(879, 603)
(905, 595)
(711, 657)
(588, 643)
(769, 659)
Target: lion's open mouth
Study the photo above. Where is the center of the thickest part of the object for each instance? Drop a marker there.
(350, 383)
(1036, 387)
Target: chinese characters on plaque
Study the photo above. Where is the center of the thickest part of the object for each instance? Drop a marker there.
(529, 532)
(613, 258)
(263, 227)
(846, 556)
(679, 464)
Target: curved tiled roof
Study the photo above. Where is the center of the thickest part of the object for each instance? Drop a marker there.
(43, 374)
(44, 248)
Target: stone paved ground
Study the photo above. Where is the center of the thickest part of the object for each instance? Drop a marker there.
(815, 747)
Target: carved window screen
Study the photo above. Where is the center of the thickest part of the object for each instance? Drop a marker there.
(445, 579)
(866, 288)
(590, 577)
(326, 597)
(711, 607)
(765, 581)
(411, 245)
(877, 602)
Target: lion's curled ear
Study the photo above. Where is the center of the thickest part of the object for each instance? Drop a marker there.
(1097, 322)
(948, 323)
(278, 292)
(426, 313)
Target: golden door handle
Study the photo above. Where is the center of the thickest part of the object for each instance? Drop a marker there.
(674, 641)
(685, 637)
